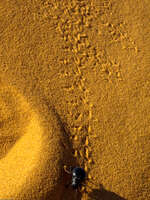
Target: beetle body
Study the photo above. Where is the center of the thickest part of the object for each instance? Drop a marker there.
(78, 176)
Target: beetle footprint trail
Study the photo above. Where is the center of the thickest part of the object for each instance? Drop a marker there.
(73, 26)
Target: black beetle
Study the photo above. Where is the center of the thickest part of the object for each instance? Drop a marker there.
(78, 176)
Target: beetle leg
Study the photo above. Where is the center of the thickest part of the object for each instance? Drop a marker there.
(66, 170)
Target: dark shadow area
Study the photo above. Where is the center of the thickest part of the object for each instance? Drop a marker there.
(103, 194)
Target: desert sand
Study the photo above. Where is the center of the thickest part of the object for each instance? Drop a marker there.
(74, 91)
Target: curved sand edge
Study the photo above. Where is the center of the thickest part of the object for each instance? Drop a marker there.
(33, 161)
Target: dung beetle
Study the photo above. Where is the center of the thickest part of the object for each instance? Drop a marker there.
(78, 176)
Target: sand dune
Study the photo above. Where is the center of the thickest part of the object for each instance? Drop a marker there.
(74, 90)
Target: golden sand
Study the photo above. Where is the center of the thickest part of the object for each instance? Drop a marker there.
(74, 90)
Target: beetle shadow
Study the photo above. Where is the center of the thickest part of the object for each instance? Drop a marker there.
(103, 194)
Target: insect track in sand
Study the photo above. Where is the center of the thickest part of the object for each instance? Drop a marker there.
(72, 27)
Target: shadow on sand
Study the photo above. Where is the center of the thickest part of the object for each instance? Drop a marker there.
(103, 194)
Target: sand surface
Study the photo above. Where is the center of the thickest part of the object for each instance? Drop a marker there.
(74, 90)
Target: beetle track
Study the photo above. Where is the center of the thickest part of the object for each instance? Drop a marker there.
(79, 42)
